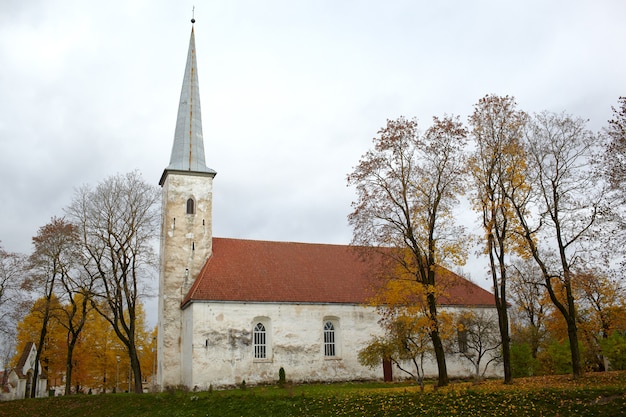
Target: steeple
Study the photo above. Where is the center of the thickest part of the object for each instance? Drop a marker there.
(186, 229)
(188, 148)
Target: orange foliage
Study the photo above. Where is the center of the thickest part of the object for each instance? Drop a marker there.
(95, 357)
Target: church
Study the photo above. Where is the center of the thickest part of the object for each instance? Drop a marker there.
(235, 310)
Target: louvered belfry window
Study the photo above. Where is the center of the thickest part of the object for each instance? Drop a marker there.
(260, 341)
(329, 339)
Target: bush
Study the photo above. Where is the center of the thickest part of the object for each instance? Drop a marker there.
(282, 380)
(614, 348)
(522, 362)
(557, 358)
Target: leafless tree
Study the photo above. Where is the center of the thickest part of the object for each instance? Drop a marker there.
(407, 187)
(12, 303)
(117, 222)
(529, 299)
(616, 155)
(481, 340)
(497, 168)
(615, 171)
(569, 199)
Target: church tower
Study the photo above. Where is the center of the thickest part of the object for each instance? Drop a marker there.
(186, 223)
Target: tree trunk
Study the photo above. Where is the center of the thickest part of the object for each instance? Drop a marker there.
(503, 321)
(136, 368)
(69, 366)
(572, 334)
(440, 353)
(42, 338)
(499, 292)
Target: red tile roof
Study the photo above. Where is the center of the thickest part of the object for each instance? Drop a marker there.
(262, 271)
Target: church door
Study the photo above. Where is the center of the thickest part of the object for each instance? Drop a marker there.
(387, 370)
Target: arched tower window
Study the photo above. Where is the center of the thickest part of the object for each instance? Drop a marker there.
(191, 206)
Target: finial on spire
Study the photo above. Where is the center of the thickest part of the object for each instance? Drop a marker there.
(193, 15)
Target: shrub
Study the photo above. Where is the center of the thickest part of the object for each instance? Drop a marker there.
(614, 348)
(282, 380)
(557, 358)
(522, 362)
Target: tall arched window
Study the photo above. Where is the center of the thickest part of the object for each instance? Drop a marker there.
(329, 339)
(260, 341)
(191, 206)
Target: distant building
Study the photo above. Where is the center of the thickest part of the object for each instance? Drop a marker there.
(233, 310)
(19, 380)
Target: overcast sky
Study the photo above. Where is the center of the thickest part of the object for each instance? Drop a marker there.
(292, 93)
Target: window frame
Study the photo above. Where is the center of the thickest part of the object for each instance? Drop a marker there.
(191, 206)
(331, 349)
(261, 340)
(259, 337)
(330, 344)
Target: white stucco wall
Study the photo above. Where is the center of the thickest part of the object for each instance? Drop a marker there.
(222, 350)
(218, 349)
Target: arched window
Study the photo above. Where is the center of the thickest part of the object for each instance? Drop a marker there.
(329, 339)
(260, 341)
(191, 206)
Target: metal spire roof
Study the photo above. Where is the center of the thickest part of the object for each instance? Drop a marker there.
(188, 148)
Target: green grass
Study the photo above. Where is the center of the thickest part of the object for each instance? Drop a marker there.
(594, 395)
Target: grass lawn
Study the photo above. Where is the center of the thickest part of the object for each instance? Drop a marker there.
(594, 395)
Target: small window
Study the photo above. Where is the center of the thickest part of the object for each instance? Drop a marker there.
(191, 206)
(329, 339)
(462, 336)
(260, 341)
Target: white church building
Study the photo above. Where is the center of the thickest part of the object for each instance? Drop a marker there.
(18, 382)
(234, 310)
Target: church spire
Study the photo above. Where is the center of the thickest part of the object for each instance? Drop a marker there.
(188, 148)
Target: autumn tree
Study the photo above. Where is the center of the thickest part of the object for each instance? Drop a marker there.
(51, 261)
(117, 222)
(96, 355)
(568, 198)
(73, 318)
(601, 312)
(405, 344)
(60, 245)
(52, 351)
(497, 169)
(407, 187)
